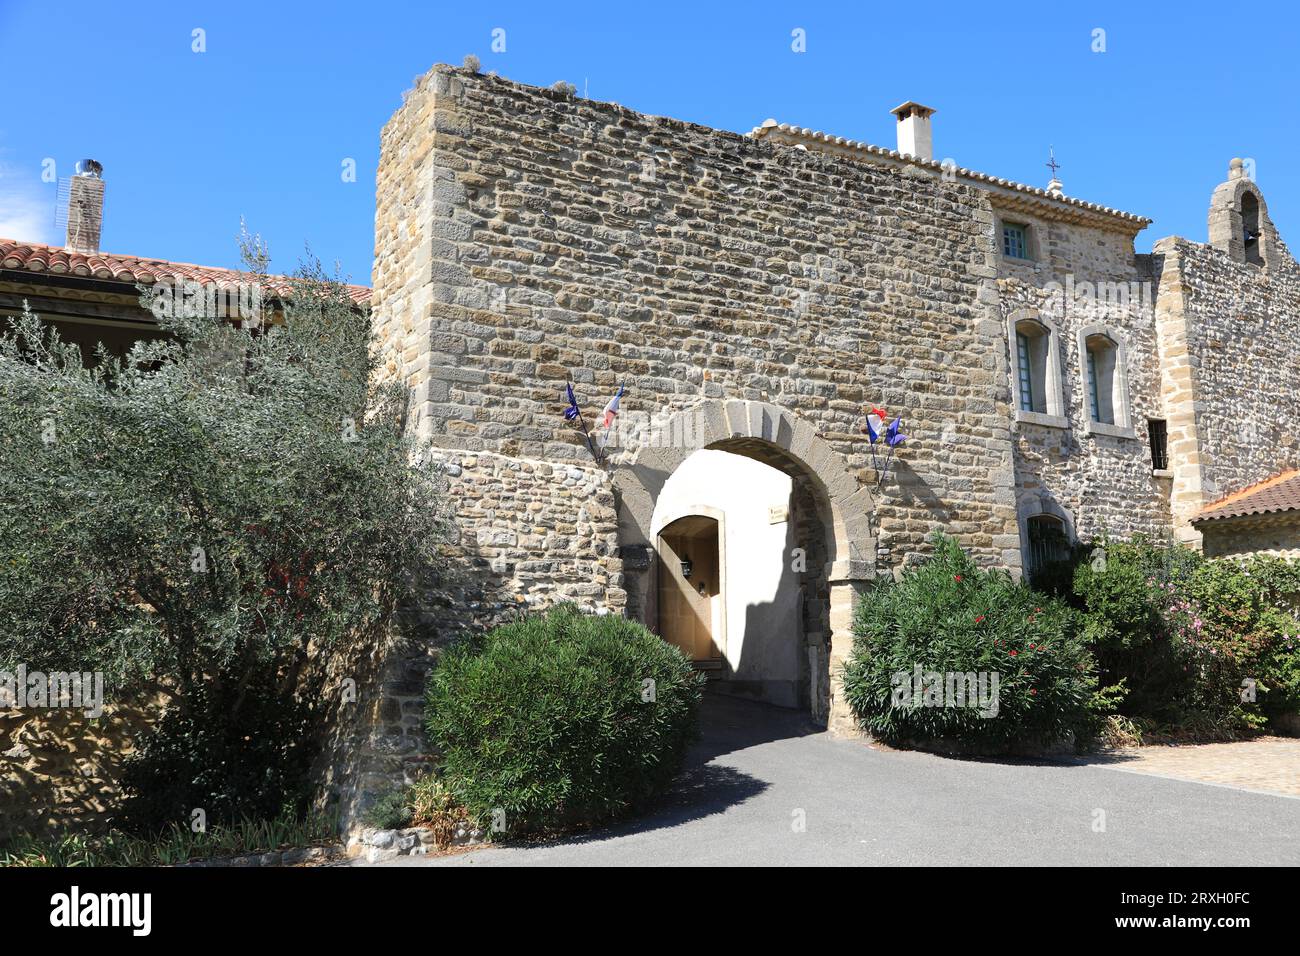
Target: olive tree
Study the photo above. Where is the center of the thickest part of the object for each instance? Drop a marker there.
(209, 518)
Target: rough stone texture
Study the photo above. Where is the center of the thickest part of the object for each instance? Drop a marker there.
(572, 238)
(1276, 535)
(1239, 321)
(756, 294)
(60, 769)
(1087, 278)
(375, 846)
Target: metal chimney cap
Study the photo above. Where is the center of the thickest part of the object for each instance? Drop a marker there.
(91, 168)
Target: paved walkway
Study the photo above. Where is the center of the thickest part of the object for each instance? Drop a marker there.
(763, 787)
(1265, 764)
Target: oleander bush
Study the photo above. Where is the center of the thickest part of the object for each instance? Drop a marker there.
(561, 720)
(947, 616)
(1207, 648)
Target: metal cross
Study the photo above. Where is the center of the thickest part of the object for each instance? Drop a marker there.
(1053, 165)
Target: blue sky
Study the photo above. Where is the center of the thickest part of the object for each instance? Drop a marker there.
(260, 124)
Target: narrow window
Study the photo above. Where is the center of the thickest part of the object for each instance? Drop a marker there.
(1103, 373)
(1034, 371)
(1015, 241)
(1250, 228)
(1026, 375)
(1092, 386)
(1159, 438)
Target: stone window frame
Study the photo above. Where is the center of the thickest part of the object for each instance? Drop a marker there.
(1031, 240)
(1038, 505)
(1121, 401)
(1053, 385)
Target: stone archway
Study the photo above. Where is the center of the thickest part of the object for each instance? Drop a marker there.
(845, 549)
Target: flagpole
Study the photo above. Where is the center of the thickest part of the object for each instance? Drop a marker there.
(582, 423)
(590, 447)
(884, 476)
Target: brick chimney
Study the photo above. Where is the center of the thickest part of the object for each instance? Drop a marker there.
(914, 130)
(85, 207)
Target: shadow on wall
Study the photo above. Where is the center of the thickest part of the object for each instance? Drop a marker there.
(773, 664)
(912, 491)
(378, 742)
(59, 769)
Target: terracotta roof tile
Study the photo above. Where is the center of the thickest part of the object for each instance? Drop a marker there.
(36, 257)
(866, 149)
(1279, 493)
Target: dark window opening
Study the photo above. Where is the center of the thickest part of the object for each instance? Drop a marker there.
(1048, 543)
(1250, 228)
(1159, 438)
(1103, 362)
(1026, 377)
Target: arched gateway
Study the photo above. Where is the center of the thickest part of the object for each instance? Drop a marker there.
(830, 549)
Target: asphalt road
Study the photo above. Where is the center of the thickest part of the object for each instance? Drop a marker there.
(763, 787)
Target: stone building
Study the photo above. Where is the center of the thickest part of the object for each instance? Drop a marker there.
(755, 295)
(93, 297)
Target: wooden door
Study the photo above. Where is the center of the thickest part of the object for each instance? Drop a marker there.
(690, 588)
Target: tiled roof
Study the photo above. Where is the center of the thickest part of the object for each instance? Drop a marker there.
(1279, 493)
(38, 258)
(866, 149)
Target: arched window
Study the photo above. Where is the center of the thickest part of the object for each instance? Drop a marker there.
(1103, 355)
(1250, 228)
(1101, 378)
(1049, 542)
(1035, 370)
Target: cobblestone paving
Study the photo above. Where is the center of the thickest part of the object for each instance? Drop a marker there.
(1268, 764)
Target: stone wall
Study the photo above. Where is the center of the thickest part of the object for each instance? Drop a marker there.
(60, 770)
(1277, 535)
(566, 238)
(1231, 357)
(1243, 343)
(1087, 278)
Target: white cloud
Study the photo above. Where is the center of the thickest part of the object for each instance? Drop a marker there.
(26, 204)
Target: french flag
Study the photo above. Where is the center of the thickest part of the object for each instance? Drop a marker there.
(876, 422)
(610, 413)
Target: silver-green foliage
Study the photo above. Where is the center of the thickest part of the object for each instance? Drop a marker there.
(211, 513)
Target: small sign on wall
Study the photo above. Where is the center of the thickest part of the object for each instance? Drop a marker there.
(777, 514)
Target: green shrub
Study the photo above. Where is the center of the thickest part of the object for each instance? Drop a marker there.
(212, 518)
(1125, 590)
(948, 617)
(1189, 635)
(174, 845)
(550, 721)
(392, 811)
(254, 765)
